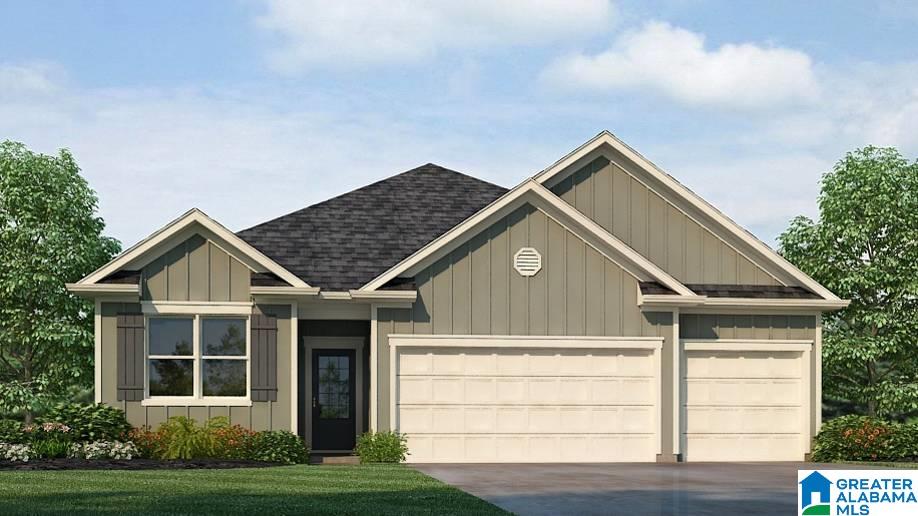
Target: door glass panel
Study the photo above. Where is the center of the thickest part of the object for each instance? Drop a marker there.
(334, 387)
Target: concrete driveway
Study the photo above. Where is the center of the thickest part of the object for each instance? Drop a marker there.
(632, 489)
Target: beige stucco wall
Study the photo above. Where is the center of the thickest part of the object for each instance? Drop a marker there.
(195, 270)
(260, 416)
(660, 231)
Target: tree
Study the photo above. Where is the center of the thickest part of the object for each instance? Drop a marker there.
(49, 235)
(864, 247)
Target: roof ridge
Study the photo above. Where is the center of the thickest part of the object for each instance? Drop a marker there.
(417, 169)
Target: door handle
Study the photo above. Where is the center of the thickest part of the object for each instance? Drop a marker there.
(314, 404)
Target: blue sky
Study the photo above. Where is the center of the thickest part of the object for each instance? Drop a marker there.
(222, 105)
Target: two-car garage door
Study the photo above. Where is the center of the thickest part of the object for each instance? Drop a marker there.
(528, 400)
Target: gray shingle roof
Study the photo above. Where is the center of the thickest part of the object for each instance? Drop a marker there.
(717, 290)
(346, 241)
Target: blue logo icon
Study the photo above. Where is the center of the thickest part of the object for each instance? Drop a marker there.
(815, 494)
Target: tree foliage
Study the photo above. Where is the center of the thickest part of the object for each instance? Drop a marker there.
(49, 235)
(864, 247)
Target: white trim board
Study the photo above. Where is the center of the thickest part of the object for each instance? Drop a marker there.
(676, 188)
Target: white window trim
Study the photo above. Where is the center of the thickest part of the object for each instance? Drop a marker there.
(197, 399)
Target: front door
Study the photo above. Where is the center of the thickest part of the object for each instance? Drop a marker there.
(333, 399)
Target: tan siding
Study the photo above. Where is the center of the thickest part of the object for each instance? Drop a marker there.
(195, 270)
(481, 284)
(555, 271)
(219, 274)
(538, 284)
(641, 218)
(198, 269)
(729, 326)
(518, 227)
(462, 294)
(500, 279)
(575, 284)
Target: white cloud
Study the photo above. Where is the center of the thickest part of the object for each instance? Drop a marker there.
(34, 78)
(674, 62)
(372, 32)
(152, 154)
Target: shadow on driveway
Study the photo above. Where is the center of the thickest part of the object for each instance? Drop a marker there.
(633, 489)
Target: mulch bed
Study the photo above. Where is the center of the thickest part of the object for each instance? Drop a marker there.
(134, 464)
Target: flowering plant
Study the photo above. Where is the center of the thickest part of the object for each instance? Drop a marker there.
(104, 450)
(15, 452)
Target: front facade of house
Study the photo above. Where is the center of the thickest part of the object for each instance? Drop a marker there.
(597, 312)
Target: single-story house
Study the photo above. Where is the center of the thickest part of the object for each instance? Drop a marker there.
(599, 311)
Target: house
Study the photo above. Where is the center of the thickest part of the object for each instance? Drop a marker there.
(599, 311)
(815, 483)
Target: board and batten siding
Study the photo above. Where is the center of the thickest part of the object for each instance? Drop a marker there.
(267, 415)
(755, 327)
(195, 270)
(475, 291)
(655, 228)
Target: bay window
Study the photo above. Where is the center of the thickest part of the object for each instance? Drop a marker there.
(195, 357)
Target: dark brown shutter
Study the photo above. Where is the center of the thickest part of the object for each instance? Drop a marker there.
(130, 357)
(264, 358)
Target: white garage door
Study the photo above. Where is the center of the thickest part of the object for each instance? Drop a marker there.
(745, 405)
(513, 403)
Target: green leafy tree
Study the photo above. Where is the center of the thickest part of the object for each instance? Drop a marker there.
(49, 235)
(864, 247)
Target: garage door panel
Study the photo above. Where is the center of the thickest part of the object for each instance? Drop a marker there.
(528, 405)
(743, 392)
(743, 405)
(744, 364)
(531, 448)
(743, 420)
(762, 447)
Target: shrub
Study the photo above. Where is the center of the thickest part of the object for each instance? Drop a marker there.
(278, 446)
(232, 442)
(104, 450)
(91, 422)
(149, 444)
(11, 432)
(382, 447)
(15, 452)
(51, 449)
(862, 438)
(185, 440)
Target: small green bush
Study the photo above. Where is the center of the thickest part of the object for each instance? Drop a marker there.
(278, 446)
(185, 440)
(90, 422)
(11, 432)
(51, 448)
(862, 438)
(382, 447)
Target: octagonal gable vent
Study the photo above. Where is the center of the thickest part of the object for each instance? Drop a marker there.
(527, 261)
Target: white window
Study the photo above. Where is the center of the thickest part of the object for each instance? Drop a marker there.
(197, 357)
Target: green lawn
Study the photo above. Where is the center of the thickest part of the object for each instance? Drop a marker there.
(376, 489)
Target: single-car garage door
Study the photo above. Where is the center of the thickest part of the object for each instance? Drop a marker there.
(488, 399)
(745, 401)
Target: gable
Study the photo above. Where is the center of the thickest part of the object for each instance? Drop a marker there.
(195, 270)
(624, 206)
(474, 289)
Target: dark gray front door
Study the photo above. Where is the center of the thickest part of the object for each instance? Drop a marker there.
(334, 400)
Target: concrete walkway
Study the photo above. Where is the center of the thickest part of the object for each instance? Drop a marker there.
(631, 489)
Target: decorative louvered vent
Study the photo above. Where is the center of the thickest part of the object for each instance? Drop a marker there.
(527, 261)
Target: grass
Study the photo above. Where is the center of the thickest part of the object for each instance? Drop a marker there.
(364, 489)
